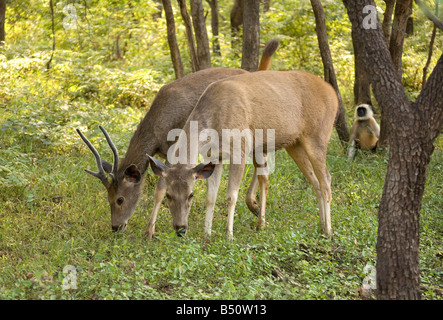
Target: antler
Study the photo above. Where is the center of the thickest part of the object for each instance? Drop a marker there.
(114, 152)
(101, 172)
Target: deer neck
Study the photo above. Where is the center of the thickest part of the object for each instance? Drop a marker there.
(143, 142)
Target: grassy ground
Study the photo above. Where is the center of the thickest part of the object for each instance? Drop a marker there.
(61, 218)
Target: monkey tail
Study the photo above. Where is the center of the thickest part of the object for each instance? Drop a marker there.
(268, 52)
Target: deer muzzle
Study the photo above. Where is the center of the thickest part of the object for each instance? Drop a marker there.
(181, 231)
(121, 227)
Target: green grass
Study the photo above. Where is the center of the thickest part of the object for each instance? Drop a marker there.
(60, 217)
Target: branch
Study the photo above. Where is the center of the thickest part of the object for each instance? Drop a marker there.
(430, 100)
(437, 22)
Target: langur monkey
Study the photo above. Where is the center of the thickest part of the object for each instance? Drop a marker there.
(364, 132)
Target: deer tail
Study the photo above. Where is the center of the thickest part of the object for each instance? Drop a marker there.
(268, 52)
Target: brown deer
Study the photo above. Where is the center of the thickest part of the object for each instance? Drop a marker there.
(299, 106)
(175, 101)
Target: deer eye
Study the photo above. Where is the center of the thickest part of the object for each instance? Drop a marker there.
(191, 196)
(168, 196)
(120, 201)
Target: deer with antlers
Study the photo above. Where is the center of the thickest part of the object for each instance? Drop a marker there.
(170, 109)
(299, 106)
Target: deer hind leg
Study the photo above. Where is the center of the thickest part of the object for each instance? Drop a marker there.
(159, 194)
(235, 178)
(251, 200)
(213, 183)
(313, 166)
(263, 181)
(261, 171)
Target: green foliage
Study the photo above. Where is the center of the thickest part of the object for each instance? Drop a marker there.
(52, 214)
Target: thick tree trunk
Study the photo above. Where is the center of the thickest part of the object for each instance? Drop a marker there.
(329, 72)
(362, 86)
(201, 35)
(2, 20)
(172, 41)
(413, 128)
(189, 35)
(396, 39)
(251, 35)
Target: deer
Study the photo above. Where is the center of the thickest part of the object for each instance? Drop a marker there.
(299, 106)
(124, 179)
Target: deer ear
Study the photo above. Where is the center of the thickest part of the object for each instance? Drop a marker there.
(132, 174)
(204, 170)
(158, 167)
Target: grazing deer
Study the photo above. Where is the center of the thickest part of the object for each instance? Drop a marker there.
(301, 108)
(175, 101)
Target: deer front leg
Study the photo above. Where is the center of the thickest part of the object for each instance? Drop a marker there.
(213, 183)
(159, 194)
(235, 178)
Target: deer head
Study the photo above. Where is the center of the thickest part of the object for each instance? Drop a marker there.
(180, 181)
(123, 185)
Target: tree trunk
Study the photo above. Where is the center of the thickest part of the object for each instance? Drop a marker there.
(48, 64)
(266, 5)
(172, 40)
(362, 86)
(189, 35)
(251, 35)
(387, 19)
(413, 127)
(2, 20)
(201, 35)
(396, 39)
(157, 15)
(401, 15)
(236, 16)
(214, 26)
(329, 72)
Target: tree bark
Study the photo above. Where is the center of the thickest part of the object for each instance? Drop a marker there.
(236, 17)
(201, 35)
(157, 15)
(172, 40)
(362, 86)
(189, 35)
(251, 35)
(387, 19)
(266, 5)
(2, 20)
(329, 72)
(214, 26)
(401, 15)
(413, 127)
